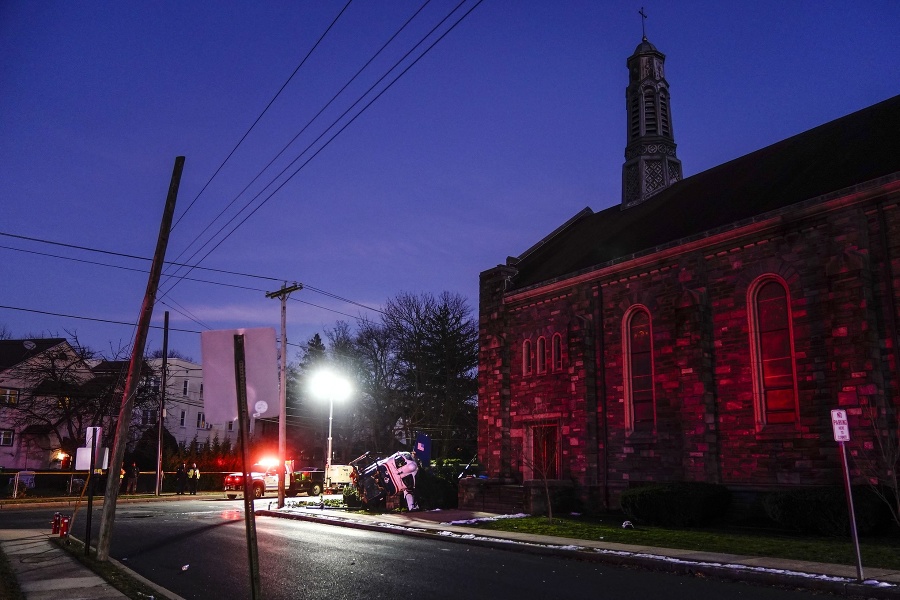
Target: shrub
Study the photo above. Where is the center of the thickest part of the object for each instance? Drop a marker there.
(435, 490)
(823, 511)
(351, 497)
(680, 504)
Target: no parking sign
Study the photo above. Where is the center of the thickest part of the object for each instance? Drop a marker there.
(840, 425)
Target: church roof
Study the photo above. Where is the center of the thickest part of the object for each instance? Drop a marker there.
(854, 149)
(644, 47)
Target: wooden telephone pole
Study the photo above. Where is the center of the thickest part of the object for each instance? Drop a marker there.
(134, 368)
(283, 294)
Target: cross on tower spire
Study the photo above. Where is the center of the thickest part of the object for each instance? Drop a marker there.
(643, 23)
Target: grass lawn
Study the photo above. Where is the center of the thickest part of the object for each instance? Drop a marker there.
(880, 551)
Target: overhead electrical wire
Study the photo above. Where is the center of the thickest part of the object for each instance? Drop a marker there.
(299, 133)
(337, 133)
(212, 270)
(275, 97)
(191, 267)
(56, 314)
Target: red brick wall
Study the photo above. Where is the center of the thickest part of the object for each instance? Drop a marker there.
(832, 261)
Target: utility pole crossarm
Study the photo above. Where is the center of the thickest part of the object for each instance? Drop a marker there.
(284, 291)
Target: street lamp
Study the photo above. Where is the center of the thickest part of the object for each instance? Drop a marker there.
(327, 385)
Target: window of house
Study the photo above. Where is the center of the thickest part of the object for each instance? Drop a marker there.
(230, 425)
(6, 437)
(541, 355)
(526, 357)
(544, 451)
(556, 352)
(640, 412)
(154, 385)
(201, 390)
(148, 417)
(183, 419)
(9, 396)
(201, 420)
(774, 373)
(184, 387)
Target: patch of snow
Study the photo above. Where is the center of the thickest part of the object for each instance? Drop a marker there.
(483, 519)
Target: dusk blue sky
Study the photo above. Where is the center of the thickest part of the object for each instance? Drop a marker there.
(506, 128)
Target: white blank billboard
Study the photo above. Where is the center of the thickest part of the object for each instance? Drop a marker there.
(219, 390)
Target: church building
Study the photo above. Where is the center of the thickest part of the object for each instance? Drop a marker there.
(704, 328)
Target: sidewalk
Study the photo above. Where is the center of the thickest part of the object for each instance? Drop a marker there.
(45, 571)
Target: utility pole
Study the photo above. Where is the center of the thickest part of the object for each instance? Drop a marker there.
(161, 419)
(134, 367)
(283, 294)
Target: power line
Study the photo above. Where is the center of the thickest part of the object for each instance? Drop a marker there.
(142, 258)
(299, 133)
(338, 132)
(278, 93)
(132, 256)
(55, 314)
(332, 138)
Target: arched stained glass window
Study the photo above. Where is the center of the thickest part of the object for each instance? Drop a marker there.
(640, 397)
(774, 375)
(557, 352)
(526, 357)
(541, 355)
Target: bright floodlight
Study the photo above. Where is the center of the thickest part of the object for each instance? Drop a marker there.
(326, 385)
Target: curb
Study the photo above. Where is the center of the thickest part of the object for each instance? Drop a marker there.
(839, 587)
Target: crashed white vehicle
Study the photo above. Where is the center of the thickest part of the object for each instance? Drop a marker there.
(377, 479)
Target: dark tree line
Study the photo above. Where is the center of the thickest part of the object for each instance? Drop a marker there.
(413, 370)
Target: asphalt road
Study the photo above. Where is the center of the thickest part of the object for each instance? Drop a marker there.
(197, 548)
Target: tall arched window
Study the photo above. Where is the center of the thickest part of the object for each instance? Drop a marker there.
(640, 400)
(526, 357)
(774, 379)
(556, 352)
(541, 355)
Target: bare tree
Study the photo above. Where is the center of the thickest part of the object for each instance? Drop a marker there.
(379, 403)
(64, 390)
(878, 460)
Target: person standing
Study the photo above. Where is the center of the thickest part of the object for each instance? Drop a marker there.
(133, 474)
(180, 478)
(193, 479)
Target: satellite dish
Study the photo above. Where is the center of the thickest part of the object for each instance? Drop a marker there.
(29, 345)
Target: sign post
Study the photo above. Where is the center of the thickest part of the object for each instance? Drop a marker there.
(841, 428)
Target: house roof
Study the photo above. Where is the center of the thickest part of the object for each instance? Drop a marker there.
(857, 148)
(117, 368)
(13, 352)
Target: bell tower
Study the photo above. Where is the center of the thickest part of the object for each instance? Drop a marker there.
(650, 161)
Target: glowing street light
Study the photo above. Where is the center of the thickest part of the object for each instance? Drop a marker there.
(327, 385)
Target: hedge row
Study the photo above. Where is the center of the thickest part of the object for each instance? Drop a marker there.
(823, 511)
(679, 504)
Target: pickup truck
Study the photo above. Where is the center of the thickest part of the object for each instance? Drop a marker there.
(265, 479)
